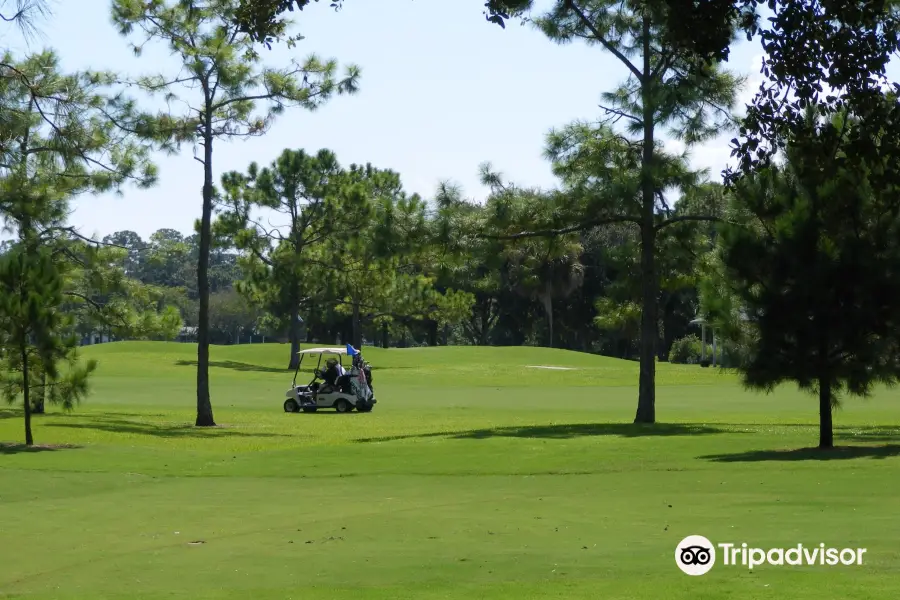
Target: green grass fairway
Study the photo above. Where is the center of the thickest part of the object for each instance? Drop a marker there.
(476, 477)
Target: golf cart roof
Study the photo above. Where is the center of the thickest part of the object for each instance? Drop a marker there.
(342, 351)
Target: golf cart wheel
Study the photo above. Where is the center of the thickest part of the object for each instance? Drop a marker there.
(309, 409)
(364, 407)
(291, 406)
(342, 406)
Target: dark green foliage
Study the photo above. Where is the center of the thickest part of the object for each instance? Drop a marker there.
(812, 46)
(265, 20)
(543, 268)
(36, 336)
(815, 269)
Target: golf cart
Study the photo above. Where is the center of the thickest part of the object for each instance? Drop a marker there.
(342, 392)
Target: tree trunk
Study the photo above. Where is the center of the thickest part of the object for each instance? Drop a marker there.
(432, 333)
(204, 405)
(294, 335)
(41, 401)
(29, 439)
(547, 301)
(666, 337)
(385, 340)
(826, 431)
(481, 322)
(357, 328)
(646, 410)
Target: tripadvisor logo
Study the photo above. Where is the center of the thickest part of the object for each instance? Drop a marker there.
(696, 555)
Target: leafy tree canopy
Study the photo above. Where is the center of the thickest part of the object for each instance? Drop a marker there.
(815, 269)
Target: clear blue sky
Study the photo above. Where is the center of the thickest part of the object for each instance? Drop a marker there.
(441, 91)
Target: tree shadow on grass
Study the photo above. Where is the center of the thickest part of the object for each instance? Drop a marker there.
(58, 413)
(567, 431)
(116, 424)
(849, 433)
(234, 365)
(801, 454)
(12, 448)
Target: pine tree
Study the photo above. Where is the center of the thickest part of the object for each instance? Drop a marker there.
(229, 95)
(36, 336)
(814, 269)
(62, 136)
(311, 199)
(617, 167)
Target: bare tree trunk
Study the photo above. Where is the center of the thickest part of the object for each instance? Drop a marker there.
(385, 340)
(204, 405)
(29, 439)
(826, 430)
(646, 410)
(295, 339)
(432, 333)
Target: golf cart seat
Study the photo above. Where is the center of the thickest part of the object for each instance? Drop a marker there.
(343, 384)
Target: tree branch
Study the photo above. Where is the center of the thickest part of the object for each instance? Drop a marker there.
(15, 17)
(664, 63)
(93, 303)
(563, 230)
(685, 218)
(603, 41)
(620, 114)
(71, 230)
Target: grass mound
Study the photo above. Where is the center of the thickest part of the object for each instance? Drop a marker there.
(452, 366)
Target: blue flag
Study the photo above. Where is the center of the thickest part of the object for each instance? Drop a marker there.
(351, 351)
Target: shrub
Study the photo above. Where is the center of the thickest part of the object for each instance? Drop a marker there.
(685, 351)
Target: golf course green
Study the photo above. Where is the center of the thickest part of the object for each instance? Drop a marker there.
(477, 475)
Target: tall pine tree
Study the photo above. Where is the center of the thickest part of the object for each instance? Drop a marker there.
(228, 94)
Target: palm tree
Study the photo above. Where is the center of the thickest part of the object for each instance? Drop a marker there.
(547, 269)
